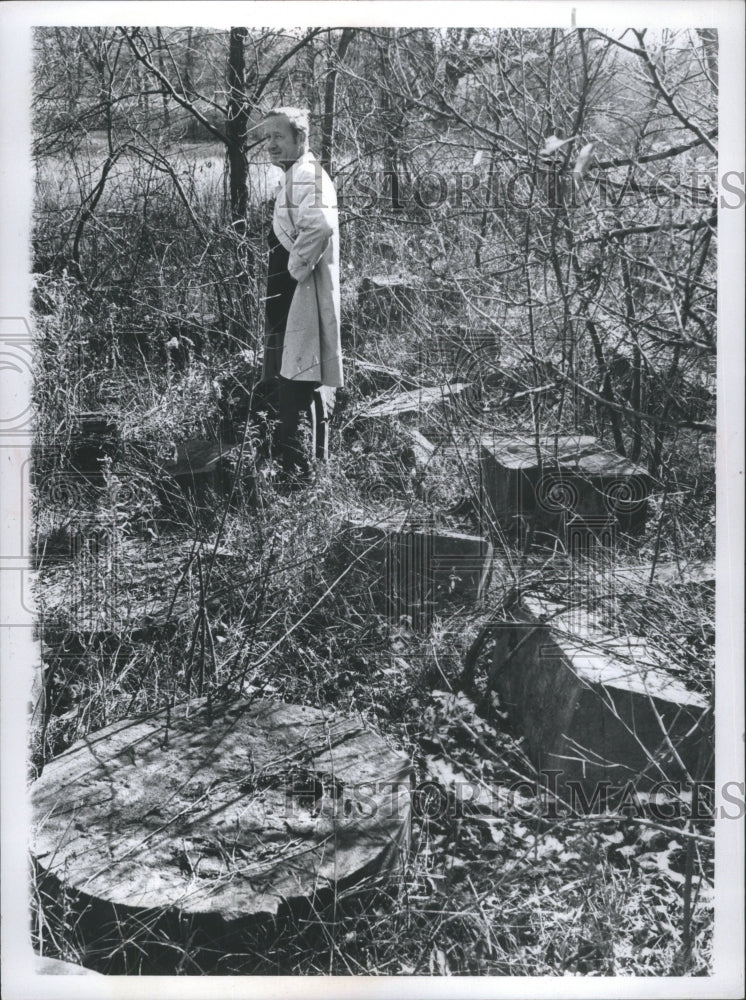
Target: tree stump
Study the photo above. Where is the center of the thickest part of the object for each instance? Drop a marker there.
(417, 570)
(565, 486)
(43, 966)
(95, 441)
(199, 469)
(112, 592)
(412, 401)
(596, 708)
(228, 811)
(388, 299)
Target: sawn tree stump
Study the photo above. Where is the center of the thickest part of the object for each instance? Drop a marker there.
(223, 811)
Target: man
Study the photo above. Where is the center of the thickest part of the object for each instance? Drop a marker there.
(302, 348)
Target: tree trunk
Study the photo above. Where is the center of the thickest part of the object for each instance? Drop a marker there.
(310, 97)
(330, 91)
(636, 373)
(161, 67)
(389, 122)
(188, 64)
(236, 127)
(709, 38)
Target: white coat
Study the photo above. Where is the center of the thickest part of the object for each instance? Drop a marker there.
(306, 222)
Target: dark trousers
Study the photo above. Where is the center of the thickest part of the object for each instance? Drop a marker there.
(287, 399)
(294, 400)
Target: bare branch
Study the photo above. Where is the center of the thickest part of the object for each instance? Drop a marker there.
(171, 90)
(262, 85)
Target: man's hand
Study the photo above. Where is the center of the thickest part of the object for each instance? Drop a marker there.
(315, 219)
(298, 269)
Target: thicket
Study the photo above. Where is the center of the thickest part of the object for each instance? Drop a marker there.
(537, 209)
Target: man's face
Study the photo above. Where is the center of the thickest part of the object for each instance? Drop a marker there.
(282, 145)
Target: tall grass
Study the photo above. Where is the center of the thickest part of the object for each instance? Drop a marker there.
(250, 594)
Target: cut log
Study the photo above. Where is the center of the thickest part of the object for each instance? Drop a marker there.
(95, 442)
(229, 811)
(697, 575)
(418, 570)
(414, 400)
(563, 487)
(55, 967)
(388, 298)
(200, 468)
(594, 707)
(376, 378)
(114, 592)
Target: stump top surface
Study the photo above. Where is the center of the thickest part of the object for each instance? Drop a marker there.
(412, 400)
(382, 280)
(197, 456)
(627, 663)
(140, 579)
(579, 452)
(44, 966)
(228, 811)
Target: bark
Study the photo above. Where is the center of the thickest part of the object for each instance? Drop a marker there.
(188, 64)
(636, 374)
(391, 118)
(159, 45)
(330, 93)
(236, 127)
(709, 37)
